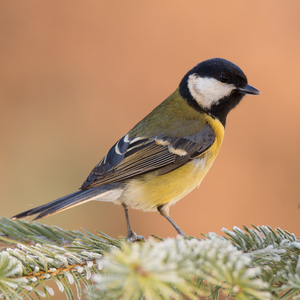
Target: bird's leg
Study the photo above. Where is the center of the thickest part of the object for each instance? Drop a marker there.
(164, 211)
(131, 235)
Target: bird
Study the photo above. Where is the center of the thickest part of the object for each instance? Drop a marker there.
(168, 153)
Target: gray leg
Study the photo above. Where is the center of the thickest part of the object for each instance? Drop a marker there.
(131, 235)
(164, 211)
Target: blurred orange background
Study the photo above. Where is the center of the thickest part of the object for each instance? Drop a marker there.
(75, 76)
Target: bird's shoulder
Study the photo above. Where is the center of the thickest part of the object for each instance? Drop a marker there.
(173, 117)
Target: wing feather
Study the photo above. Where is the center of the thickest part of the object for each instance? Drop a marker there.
(130, 157)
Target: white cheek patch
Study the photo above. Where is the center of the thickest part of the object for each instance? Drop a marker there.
(208, 91)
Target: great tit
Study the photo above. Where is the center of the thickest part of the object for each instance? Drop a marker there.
(168, 153)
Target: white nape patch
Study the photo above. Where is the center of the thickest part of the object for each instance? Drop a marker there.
(108, 196)
(208, 91)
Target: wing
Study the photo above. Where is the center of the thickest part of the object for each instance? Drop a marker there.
(134, 156)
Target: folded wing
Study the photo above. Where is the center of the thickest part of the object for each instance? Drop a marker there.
(130, 157)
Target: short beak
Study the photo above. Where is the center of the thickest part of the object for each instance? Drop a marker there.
(250, 90)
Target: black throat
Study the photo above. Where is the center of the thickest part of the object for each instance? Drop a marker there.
(219, 110)
(225, 105)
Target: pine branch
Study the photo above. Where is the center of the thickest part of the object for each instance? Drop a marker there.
(255, 263)
(39, 253)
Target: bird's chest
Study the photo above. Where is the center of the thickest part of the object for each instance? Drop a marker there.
(150, 190)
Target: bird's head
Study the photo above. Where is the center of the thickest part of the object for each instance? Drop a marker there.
(215, 86)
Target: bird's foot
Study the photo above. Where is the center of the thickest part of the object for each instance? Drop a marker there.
(133, 237)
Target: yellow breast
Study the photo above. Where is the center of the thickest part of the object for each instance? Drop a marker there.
(149, 190)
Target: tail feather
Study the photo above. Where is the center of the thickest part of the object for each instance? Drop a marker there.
(66, 204)
(71, 200)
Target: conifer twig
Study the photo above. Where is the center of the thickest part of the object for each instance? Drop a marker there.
(253, 263)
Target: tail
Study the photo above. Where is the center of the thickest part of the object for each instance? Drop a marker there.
(102, 193)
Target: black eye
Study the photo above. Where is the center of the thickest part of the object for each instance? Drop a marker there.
(223, 78)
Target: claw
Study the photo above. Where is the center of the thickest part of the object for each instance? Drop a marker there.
(133, 237)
